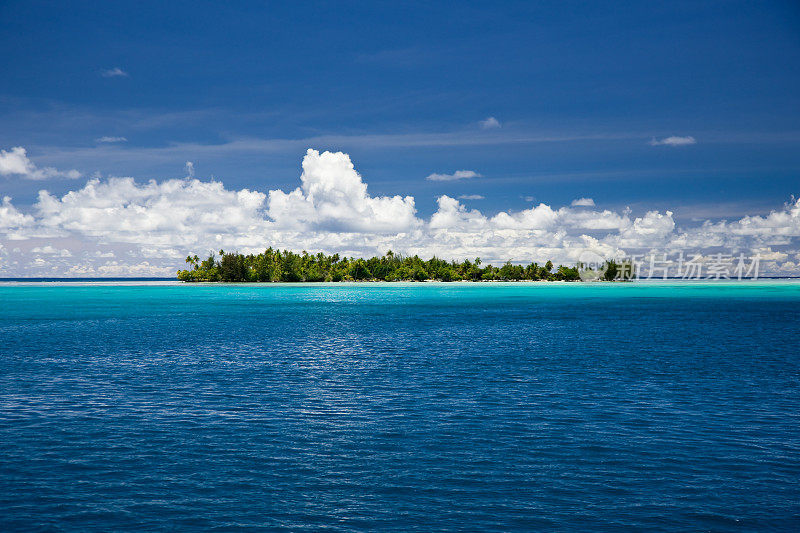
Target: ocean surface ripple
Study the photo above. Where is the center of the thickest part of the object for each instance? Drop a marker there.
(400, 407)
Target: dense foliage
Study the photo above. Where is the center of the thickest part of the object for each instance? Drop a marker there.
(277, 265)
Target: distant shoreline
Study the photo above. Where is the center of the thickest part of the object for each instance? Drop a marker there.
(116, 278)
(274, 265)
(175, 281)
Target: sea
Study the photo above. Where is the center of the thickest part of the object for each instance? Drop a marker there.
(153, 406)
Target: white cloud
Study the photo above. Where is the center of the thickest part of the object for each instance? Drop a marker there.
(106, 139)
(115, 72)
(49, 250)
(471, 197)
(538, 217)
(141, 269)
(457, 175)
(15, 162)
(452, 215)
(123, 227)
(490, 123)
(582, 202)
(172, 211)
(673, 141)
(333, 196)
(11, 218)
(189, 169)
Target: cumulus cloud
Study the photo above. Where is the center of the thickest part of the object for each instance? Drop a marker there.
(106, 139)
(189, 169)
(455, 176)
(120, 226)
(333, 196)
(15, 162)
(166, 213)
(50, 250)
(115, 72)
(673, 141)
(583, 202)
(11, 218)
(490, 123)
(471, 197)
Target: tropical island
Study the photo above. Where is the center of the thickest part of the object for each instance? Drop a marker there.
(286, 266)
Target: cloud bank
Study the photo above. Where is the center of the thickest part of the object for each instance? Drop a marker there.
(121, 227)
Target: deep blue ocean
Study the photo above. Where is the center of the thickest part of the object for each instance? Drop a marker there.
(401, 407)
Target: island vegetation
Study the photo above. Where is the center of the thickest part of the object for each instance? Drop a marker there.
(286, 266)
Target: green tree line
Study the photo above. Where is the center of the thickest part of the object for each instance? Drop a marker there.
(283, 265)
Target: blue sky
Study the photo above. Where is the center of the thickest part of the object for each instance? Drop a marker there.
(540, 101)
(402, 88)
